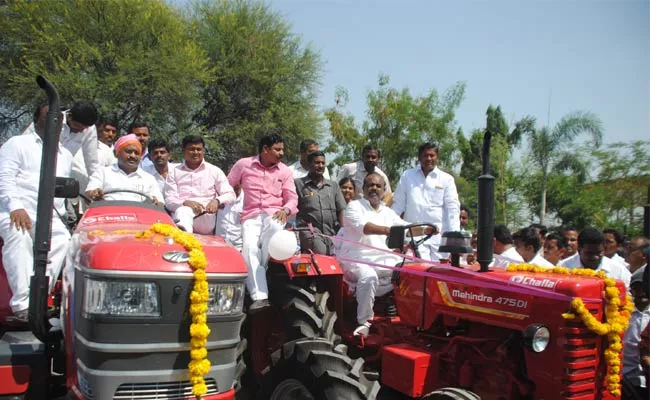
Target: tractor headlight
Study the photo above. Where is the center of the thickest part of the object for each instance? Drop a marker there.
(225, 298)
(120, 299)
(537, 337)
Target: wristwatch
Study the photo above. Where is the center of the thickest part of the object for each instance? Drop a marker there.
(287, 211)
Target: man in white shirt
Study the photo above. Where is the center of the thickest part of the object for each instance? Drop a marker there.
(357, 171)
(20, 170)
(300, 168)
(141, 131)
(612, 243)
(591, 255)
(124, 175)
(505, 252)
(229, 221)
(106, 134)
(632, 370)
(368, 221)
(555, 247)
(528, 245)
(196, 188)
(427, 194)
(160, 166)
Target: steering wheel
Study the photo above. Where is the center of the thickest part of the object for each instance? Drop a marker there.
(147, 198)
(397, 237)
(409, 231)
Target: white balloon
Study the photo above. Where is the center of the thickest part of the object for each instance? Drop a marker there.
(282, 245)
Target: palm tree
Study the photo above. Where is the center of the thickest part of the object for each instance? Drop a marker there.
(548, 147)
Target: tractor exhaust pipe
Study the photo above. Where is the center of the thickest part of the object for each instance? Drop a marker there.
(485, 230)
(39, 284)
(646, 217)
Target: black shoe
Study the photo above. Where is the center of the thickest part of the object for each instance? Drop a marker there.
(258, 305)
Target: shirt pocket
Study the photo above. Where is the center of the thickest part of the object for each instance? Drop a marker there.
(275, 187)
(434, 194)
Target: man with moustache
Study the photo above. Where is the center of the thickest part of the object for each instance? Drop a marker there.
(427, 194)
(357, 171)
(368, 222)
(571, 236)
(20, 171)
(141, 130)
(195, 189)
(106, 134)
(269, 198)
(160, 167)
(320, 203)
(126, 174)
(555, 247)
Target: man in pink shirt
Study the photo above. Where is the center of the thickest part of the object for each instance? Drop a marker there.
(270, 198)
(196, 187)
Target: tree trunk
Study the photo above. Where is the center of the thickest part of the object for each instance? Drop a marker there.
(542, 205)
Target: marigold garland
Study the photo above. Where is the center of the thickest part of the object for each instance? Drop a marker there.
(199, 365)
(617, 317)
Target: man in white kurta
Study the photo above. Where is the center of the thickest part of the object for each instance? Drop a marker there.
(427, 194)
(20, 169)
(368, 221)
(124, 175)
(591, 255)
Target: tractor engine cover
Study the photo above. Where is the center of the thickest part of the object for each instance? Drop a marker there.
(409, 369)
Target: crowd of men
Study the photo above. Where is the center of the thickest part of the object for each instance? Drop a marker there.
(350, 216)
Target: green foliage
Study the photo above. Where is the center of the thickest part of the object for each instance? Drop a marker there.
(397, 123)
(133, 58)
(264, 79)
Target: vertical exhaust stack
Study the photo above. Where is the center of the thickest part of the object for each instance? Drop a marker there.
(39, 285)
(485, 208)
(646, 217)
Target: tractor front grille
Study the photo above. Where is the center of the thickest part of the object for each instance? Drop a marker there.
(160, 390)
(581, 359)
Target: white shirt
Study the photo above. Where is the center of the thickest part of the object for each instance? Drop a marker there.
(299, 172)
(507, 257)
(358, 173)
(611, 268)
(151, 170)
(228, 222)
(620, 260)
(540, 261)
(20, 173)
(85, 140)
(113, 178)
(432, 198)
(632, 369)
(79, 171)
(357, 214)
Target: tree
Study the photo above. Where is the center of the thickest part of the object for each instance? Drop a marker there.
(133, 58)
(397, 123)
(548, 147)
(264, 79)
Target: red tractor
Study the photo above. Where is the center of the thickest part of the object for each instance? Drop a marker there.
(117, 326)
(443, 333)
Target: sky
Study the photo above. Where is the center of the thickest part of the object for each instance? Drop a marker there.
(522, 55)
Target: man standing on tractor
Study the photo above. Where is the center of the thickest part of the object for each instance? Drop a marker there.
(427, 194)
(368, 222)
(370, 157)
(320, 203)
(141, 131)
(269, 198)
(20, 170)
(300, 168)
(126, 174)
(159, 154)
(195, 189)
(591, 254)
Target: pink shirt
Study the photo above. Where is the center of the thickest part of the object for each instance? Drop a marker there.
(267, 189)
(203, 184)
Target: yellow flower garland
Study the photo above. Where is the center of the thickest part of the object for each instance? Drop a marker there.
(617, 317)
(199, 365)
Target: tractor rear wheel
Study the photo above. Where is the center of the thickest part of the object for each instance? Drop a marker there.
(451, 394)
(315, 369)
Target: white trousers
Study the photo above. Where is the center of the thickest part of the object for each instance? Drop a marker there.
(369, 282)
(256, 234)
(18, 258)
(203, 225)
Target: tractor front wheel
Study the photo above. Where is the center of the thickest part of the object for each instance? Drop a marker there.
(451, 394)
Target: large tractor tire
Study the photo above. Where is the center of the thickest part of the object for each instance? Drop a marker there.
(305, 311)
(451, 394)
(314, 369)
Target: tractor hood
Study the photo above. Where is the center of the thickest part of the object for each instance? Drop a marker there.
(105, 240)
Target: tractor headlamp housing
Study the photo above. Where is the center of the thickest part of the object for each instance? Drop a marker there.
(120, 298)
(537, 337)
(225, 298)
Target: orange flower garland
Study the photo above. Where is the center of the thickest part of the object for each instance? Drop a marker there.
(617, 317)
(199, 365)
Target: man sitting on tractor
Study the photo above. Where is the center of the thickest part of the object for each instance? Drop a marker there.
(20, 171)
(125, 176)
(195, 189)
(368, 221)
(320, 203)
